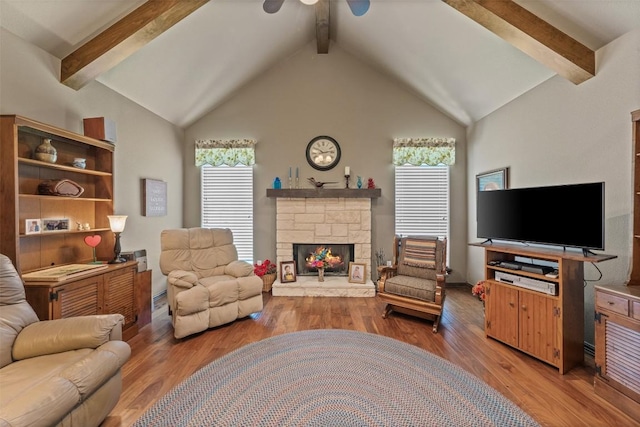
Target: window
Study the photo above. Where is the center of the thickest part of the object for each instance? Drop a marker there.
(227, 202)
(422, 200)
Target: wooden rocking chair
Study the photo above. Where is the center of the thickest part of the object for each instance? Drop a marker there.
(415, 283)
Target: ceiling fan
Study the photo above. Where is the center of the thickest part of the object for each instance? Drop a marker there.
(358, 7)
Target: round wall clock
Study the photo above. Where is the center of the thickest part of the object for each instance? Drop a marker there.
(323, 153)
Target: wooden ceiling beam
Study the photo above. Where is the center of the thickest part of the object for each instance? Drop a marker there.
(532, 35)
(323, 13)
(123, 38)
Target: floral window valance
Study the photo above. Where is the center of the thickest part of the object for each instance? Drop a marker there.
(424, 151)
(230, 152)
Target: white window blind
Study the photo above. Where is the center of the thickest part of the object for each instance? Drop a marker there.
(422, 200)
(227, 202)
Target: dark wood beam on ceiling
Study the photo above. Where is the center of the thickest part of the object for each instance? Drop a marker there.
(532, 35)
(123, 38)
(323, 13)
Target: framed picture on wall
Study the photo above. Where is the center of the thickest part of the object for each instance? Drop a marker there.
(287, 271)
(497, 179)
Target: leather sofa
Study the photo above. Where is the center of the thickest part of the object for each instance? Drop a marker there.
(64, 372)
(207, 285)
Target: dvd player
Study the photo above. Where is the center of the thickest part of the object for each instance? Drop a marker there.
(531, 268)
(527, 283)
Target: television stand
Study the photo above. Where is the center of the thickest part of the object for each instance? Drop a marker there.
(547, 327)
(587, 252)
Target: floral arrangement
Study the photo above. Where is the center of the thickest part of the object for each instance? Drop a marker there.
(478, 290)
(267, 267)
(318, 259)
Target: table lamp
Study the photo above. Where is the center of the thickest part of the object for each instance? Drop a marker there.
(116, 223)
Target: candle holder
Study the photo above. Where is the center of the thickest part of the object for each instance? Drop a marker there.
(297, 182)
(346, 179)
(290, 187)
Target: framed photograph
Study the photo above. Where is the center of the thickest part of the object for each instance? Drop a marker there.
(55, 224)
(32, 226)
(287, 271)
(357, 272)
(497, 179)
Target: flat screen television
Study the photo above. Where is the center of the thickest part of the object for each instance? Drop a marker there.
(561, 215)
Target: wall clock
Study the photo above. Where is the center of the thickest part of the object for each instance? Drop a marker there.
(323, 153)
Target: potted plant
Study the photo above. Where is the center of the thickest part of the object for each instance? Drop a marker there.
(267, 271)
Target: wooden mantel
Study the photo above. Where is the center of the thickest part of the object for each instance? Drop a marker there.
(325, 193)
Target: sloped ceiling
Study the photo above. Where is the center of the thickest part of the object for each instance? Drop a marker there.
(443, 56)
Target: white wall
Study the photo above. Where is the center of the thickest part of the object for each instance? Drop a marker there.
(147, 146)
(309, 95)
(560, 133)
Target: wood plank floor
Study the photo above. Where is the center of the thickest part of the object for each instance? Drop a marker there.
(160, 362)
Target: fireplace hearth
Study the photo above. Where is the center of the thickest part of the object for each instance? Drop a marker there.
(340, 223)
(338, 257)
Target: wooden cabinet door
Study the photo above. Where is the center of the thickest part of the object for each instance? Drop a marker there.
(539, 318)
(79, 298)
(501, 313)
(119, 294)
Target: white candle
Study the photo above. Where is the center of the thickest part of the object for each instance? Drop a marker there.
(347, 170)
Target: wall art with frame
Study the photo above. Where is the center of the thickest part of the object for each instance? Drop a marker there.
(497, 179)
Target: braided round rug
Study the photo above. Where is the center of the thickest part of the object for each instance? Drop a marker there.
(333, 378)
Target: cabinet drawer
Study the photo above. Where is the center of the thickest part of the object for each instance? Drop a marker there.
(613, 303)
(636, 310)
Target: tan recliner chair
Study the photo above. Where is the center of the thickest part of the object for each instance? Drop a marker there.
(207, 285)
(62, 372)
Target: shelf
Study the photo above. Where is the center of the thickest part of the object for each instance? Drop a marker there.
(58, 233)
(82, 199)
(44, 130)
(543, 252)
(524, 274)
(325, 193)
(38, 163)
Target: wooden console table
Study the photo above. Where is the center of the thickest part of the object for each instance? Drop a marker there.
(105, 291)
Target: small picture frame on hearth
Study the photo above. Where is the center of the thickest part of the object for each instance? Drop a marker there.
(287, 271)
(357, 272)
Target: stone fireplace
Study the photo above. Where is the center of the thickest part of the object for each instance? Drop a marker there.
(321, 217)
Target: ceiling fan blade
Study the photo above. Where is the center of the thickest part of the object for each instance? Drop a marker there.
(272, 6)
(358, 7)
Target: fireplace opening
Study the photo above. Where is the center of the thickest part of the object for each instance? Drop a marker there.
(338, 257)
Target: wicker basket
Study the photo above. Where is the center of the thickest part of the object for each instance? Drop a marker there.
(267, 281)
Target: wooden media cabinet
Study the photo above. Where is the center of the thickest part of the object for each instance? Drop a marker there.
(547, 327)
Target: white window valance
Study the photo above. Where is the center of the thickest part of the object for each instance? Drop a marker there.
(424, 151)
(230, 152)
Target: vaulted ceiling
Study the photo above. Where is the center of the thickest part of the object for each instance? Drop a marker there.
(182, 58)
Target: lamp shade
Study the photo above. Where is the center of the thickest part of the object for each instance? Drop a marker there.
(116, 222)
(309, 2)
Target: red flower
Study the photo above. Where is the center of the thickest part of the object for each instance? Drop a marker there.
(267, 267)
(478, 290)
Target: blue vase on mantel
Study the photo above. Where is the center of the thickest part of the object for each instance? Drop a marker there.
(277, 184)
(359, 183)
